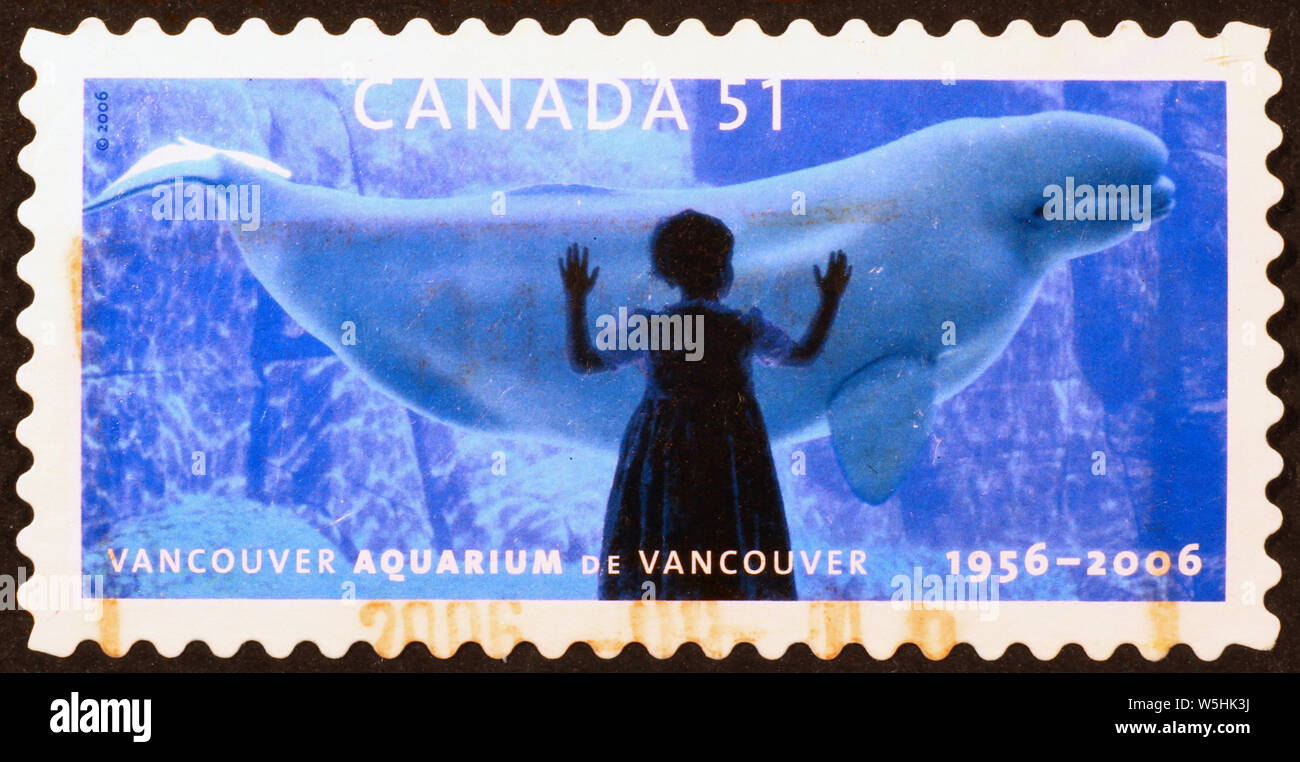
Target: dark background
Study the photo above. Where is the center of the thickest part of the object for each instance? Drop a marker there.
(336, 16)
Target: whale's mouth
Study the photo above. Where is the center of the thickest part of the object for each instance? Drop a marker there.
(1162, 198)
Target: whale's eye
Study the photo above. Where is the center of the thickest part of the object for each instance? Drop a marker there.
(1040, 212)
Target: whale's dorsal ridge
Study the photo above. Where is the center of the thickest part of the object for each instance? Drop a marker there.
(547, 189)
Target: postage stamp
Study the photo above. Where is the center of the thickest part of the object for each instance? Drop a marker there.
(806, 338)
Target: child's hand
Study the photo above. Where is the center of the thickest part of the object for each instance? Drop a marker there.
(573, 270)
(837, 276)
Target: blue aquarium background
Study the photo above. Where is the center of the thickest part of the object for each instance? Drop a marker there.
(183, 352)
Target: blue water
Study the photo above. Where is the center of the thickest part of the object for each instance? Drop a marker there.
(210, 420)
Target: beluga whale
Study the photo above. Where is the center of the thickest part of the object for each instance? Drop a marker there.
(455, 309)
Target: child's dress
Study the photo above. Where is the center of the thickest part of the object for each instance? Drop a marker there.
(695, 471)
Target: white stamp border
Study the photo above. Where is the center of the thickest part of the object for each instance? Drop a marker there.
(52, 376)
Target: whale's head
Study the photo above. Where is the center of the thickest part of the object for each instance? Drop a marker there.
(1069, 184)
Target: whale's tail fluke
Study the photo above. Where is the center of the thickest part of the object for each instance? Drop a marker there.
(183, 159)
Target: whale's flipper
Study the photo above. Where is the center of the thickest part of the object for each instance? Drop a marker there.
(185, 159)
(880, 420)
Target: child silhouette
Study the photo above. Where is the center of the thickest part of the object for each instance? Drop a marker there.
(695, 470)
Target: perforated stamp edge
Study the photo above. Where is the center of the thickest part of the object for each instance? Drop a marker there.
(52, 377)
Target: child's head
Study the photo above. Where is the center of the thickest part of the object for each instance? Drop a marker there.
(692, 251)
